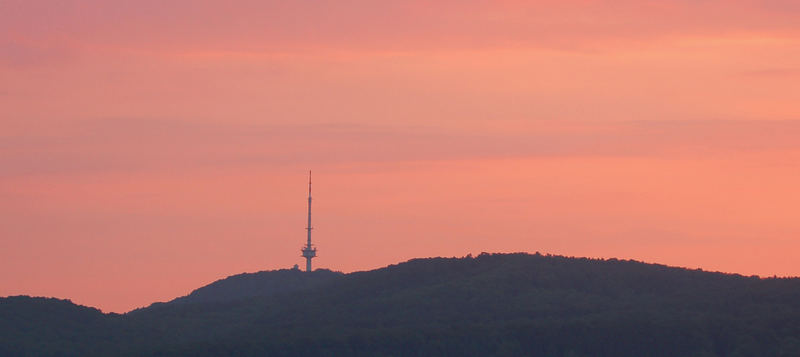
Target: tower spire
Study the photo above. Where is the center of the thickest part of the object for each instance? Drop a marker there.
(309, 251)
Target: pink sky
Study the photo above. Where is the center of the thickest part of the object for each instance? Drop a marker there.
(147, 149)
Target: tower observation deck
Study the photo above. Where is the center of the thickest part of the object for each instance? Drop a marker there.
(309, 251)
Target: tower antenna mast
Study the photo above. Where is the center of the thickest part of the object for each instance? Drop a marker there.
(309, 251)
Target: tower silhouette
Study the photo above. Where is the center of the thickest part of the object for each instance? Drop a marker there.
(309, 251)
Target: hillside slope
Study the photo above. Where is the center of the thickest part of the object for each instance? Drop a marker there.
(501, 304)
(259, 284)
(35, 326)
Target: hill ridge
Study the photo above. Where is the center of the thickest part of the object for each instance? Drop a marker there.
(490, 304)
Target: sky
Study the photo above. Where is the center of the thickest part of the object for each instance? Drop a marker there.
(148, 148)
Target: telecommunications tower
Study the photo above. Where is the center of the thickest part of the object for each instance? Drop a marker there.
(309, 251)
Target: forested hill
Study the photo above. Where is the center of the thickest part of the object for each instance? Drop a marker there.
(498, 304)
(260, 284)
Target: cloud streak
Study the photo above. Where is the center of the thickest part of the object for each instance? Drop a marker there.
(135, 145)
(387, 25)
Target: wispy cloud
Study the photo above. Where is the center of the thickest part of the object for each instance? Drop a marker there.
(15, 54)
(371, 25)
(137, 144)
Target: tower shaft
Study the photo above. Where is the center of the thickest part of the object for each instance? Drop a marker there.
(308, 228)
(309, 251)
